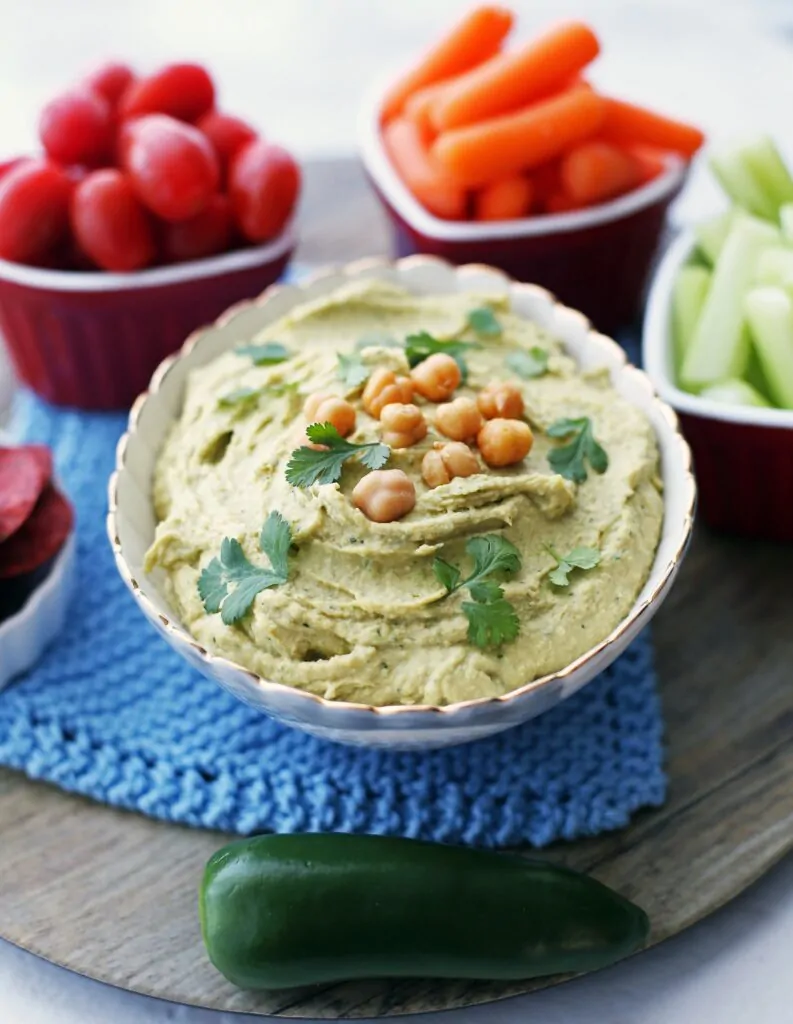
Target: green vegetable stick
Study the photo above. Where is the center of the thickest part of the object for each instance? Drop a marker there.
(775, 266)
(786, 220)
(768, 169)
(770, 314)
(688, 298)
(734, 392)
(711, 234)
(718, 348)
(740, 184)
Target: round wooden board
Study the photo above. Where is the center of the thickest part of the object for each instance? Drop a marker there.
(112, 895)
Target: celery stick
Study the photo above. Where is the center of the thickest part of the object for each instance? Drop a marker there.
(718, 349)
(770, 314)
(768, 169)
(688, 298)
(775, 266)
(711, 234)
(740, 184)
(734, 392)
(753, 375)
(786, 220)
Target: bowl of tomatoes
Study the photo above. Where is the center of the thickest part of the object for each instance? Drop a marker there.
(149, 212)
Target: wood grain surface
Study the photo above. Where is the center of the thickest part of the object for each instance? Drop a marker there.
(112, 895)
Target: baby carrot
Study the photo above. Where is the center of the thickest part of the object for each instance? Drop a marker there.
(473, 40)
(418, 106)
(480, 153)
(596, 171)
(513, 80)
(545, 181)
(626, 123)
(506, 199)
(416, 166)
(650, 161)
(560, 202)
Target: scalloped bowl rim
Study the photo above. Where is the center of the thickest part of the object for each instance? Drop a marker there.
(155, 277)
(182, 637)
(658, 359)
(410, 210)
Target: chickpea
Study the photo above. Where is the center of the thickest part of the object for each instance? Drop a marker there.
(324, 408)
(447, 461)
(504, 442)
(436, 377)
(403, 425)
(501, 399)
(383, 388)
(460, 420)
(384, 495)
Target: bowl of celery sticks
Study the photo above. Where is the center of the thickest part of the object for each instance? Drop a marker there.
(718, 343)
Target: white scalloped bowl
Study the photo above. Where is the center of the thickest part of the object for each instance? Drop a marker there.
(131, 519)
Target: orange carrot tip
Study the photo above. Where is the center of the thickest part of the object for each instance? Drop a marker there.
(478, 36)
(503, 146)
(506, 199)
(650, 161)
(513, 80)
(421, 173)
(596, 171)
(560, 202)
(626, 124)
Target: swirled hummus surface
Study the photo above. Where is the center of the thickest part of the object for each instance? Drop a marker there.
(362, 616)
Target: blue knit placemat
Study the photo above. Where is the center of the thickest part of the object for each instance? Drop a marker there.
(111, 712)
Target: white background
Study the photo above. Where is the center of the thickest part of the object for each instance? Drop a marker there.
(297, 69)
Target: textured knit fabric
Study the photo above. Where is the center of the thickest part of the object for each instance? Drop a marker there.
(113, 713)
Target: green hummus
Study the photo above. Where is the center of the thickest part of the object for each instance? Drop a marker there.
(361, 616)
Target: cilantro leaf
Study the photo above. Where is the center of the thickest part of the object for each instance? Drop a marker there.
(491, 618)
(422, 345)
(569, 460)
(264, 355)
(245, 399)
(275, 541)
(233, 568)
(491, 624)
(447, 575)
(528, 365)
(484, 323)
(579, 558)
(309, 466)
(351, 371)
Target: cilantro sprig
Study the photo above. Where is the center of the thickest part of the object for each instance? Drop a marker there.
(351, 370)
(245, 399)
(583, 558)
(422, 345)
(231, 581)
(309, 466)
(528, 365)
(265, 355)
(569, 460)
(491, 618)
(483, 322)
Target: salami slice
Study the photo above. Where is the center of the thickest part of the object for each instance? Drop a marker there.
(24, 473)
(41, 536)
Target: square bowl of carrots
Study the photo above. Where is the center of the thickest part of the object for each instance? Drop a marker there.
(481, 153)
(718, 343)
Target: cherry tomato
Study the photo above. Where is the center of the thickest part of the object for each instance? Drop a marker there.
(264, 183)
(76, 128)
(34, 211)
(173, 166)
(206, 234)
(111, 81)
(226, 133)
(9, 165)
(184, 91)
(110, 224)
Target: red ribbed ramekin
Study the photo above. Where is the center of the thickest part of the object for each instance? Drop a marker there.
(93, 340)
(743, 456)
(596, 260)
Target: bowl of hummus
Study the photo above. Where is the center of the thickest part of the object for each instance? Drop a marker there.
(403, 504)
